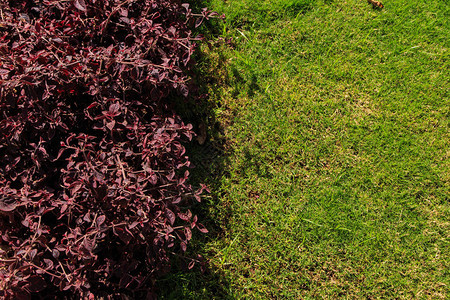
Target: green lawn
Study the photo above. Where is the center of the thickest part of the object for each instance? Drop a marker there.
(336, 130)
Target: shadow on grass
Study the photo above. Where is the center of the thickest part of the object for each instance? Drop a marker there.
(208, 159)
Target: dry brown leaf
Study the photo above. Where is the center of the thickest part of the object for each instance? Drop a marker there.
(376, 4)
(201, 138)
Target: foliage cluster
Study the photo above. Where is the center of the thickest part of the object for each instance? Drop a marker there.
(93, 171)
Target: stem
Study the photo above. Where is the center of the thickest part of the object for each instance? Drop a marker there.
(45, 271)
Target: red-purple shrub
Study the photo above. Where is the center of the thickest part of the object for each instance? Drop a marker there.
(93, 189)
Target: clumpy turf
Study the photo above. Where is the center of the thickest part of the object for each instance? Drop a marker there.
(337, 181)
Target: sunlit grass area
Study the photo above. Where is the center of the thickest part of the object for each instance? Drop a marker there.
(335, 182)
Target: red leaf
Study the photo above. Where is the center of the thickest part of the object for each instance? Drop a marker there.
(123, 12)
(177, 200)
(36, 284)
(202, 228)
(88, 244)
(191, 264)
(170, 176)
(20, 293)
(55, 253)
(198, 22)
(184, 90)
(75, 187)
(92, 105)
(183, 217)
(114, 108)
(60, 152)
(197, 197)
(188, 233)
(183, 246)
(134, 224)
(125, 236)
(33, 253)
(7, 205)
(48, 264)
(125, 281)
(100, 220)
(79, 4)
(63, 208)
(171, 216)
(111, 125)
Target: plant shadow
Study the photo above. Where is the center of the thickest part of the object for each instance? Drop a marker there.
(208, 156)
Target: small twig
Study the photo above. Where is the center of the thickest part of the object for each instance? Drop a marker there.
(44, 270)
(9, 260)
(121, 167)
(64, 271)
(158, 187)
(98, 231)
(183, 256)
(178, 41)
(34, 237)
(142, 65)
(95, 219)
